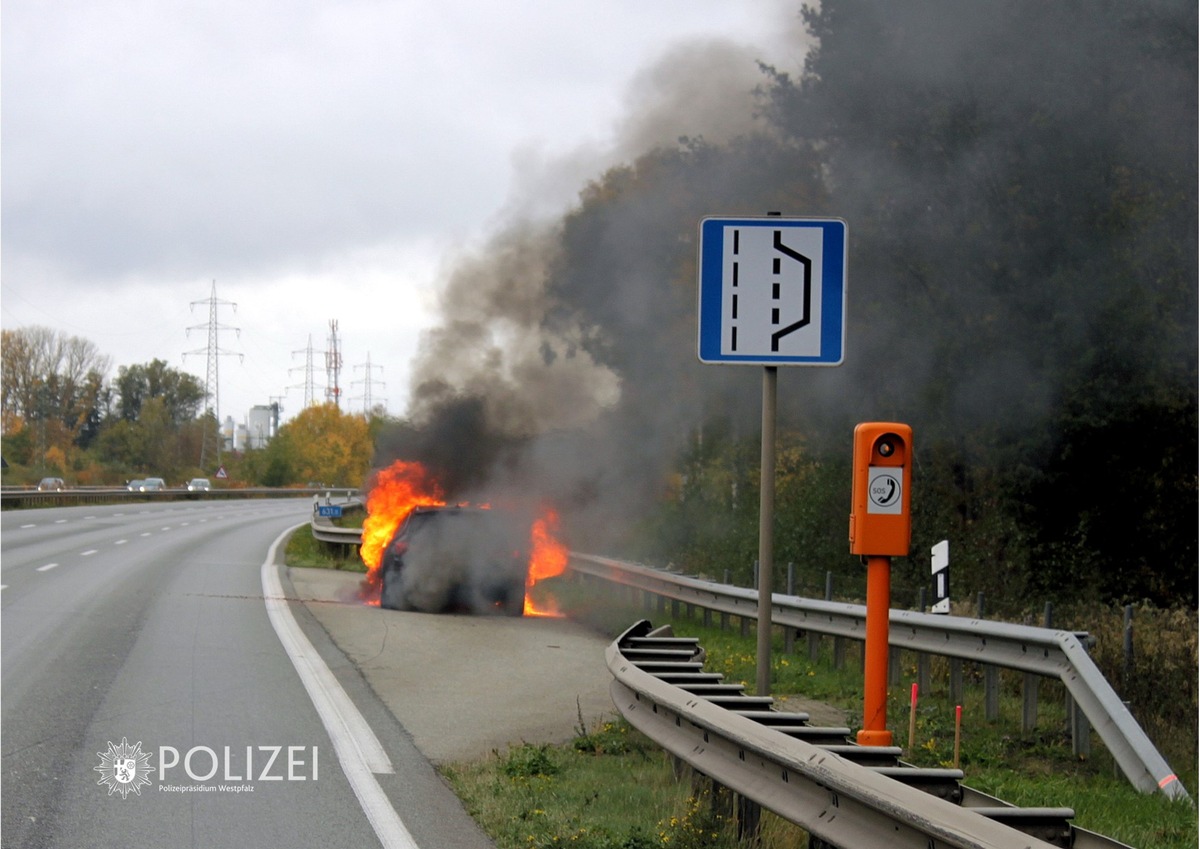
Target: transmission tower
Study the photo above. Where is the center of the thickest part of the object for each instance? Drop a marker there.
(211, 442)
(308, 372)
(333, 367)
(368, 382)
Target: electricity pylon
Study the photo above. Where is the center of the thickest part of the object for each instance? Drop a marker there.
(212, 386)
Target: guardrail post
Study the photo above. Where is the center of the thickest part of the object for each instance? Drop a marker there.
(991, 693)
(1081, 732)
(839, 645)
(922, 658)
(749, 819)
(1081, 729)
(1029, 703)
(789, 634)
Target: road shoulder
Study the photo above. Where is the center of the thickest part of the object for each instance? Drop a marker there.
(463, 686)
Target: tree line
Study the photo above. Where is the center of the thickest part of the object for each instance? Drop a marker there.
(64, 417)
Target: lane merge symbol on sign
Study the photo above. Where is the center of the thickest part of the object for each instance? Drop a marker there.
(772, 291)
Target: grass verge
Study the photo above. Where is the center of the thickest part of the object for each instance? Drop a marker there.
(304, 551)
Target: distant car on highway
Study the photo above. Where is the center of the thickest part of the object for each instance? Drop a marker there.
(199, 485)
(135, 485)
(153, 485)
(466, 559)
(51, 485)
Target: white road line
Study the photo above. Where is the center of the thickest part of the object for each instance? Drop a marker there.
(88, 553)
(3, 586)
(145, 533)
(121, 542)
(29, 526)
(60, 521)
(358, 749)
(47, 567)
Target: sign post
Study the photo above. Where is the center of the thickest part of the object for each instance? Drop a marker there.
(772, 293)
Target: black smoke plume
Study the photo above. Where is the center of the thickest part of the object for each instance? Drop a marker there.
(1019, 180)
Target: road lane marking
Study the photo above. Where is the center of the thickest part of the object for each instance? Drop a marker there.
(29, 526)
(88, 553)
(121, 542)
(358, 749)
(47, 567)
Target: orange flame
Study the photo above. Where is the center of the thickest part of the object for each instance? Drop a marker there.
(392, 494)
(547, 558)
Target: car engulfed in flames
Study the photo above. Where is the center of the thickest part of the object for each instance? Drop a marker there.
(424, 554)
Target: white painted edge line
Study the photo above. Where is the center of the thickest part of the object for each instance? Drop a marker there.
(358, 749)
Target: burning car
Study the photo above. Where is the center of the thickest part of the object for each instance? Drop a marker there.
(447, 558)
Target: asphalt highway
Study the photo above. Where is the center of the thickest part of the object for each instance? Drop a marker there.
(166, 683)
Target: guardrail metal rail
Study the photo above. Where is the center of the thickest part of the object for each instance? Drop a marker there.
(843, 794)
(13, 498)
(1044, 651)
(324, 530)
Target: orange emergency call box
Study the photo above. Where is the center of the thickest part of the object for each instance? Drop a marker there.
(880, 521)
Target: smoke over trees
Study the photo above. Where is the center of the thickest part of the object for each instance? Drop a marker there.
(1019, 181)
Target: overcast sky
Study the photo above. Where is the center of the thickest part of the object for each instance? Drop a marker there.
(317, 161)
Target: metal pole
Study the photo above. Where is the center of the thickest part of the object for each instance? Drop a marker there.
(766, 525)
(875, 653)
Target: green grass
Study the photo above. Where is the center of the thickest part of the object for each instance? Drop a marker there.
(304, 551)
(613, 789)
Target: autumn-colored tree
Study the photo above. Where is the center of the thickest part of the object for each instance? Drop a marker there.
(321, 444)
(54, 383)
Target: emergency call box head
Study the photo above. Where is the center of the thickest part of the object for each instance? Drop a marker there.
(880, 519)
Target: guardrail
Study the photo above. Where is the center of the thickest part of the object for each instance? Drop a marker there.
(1046, 652)
(843, 794)
(323, 529)
(16, 499)
(1042, 651)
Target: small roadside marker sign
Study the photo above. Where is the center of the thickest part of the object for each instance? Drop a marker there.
(773, 291)
(221, 473)
(332, 511)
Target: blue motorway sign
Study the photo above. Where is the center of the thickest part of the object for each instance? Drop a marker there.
(333, 511)
(773, 291)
